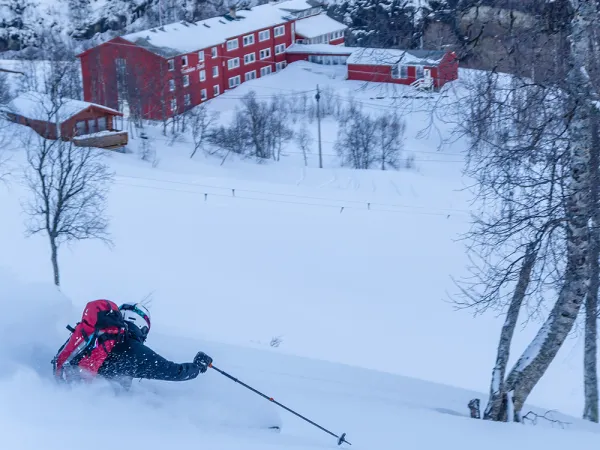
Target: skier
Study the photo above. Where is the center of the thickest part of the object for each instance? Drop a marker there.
(133, 359)
(117, 350)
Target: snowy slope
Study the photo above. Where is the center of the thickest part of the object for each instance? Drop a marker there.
(356, 290)
(377, 410)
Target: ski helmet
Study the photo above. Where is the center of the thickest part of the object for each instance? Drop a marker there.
(137, 318)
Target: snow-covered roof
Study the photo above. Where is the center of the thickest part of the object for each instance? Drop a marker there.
(38, 106)
(321, 49)
(315, 26)
(186, 37)
(390, 57)
(299, 5)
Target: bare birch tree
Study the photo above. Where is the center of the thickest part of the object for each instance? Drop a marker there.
(304, 140)
(201, 123)
(590, 364)
(534, 362)
(543, 186)
(390, 136)
(68, 186)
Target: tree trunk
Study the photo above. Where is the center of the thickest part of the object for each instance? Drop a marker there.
(590, 378)
(534, 362)
(54, 258)
(496, 408)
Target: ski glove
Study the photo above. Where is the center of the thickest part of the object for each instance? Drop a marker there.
(202, 360)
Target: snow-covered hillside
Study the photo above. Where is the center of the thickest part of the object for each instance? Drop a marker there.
(377, 410)
(348, 270)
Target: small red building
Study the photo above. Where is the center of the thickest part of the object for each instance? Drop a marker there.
(165, 71)
(418, 68)
(66, 119)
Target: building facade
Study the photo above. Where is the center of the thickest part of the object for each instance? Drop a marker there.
(158, 73)
(425, 69)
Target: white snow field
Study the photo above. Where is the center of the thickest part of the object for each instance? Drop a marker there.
(237, 254)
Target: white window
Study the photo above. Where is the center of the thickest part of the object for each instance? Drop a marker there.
(215, 71)
(233, 63)
(184, 60)
(419, 72)
(171, 85)
(265, 71)
(216, 89)
(186, 80)
(250, 76)
(173, 104)
(234, 81)
(203, 94)
(201, 55)
(171, 65)
(279, 49)
(279, 31)
(213, 52)
(265, 53)
(400, 72)
(264, 35)
(249, 58)
(280, 66)
(233, 44)
(202, 75)
(187, 99)
(248, 40)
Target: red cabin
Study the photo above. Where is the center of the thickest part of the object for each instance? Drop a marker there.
(418, 68)
(67, 119)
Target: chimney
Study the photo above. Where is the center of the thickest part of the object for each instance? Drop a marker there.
(232, 11)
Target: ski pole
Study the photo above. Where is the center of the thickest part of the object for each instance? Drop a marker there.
(340, 439)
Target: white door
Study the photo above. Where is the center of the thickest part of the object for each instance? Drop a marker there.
(427, 73)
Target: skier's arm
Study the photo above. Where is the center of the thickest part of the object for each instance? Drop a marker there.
(139, 361)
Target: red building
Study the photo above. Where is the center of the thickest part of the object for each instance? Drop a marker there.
(164, 71)
(418, 68)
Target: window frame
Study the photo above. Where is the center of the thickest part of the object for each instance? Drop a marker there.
(275, 32)
(268, 32)
(253, 54)
(184, 60)
(280, 46)
(216, 90)
(202, 75)
(232, 41)
(172, 85)
(239, 81)
(231, 63)
(249, 36)
(268, 49)
(187, 99)
(263, 70)
(201, 56)
(186, 77)
(203, 95)
(214, 52)
(251, 72)
(215, 71)
(171, 63)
